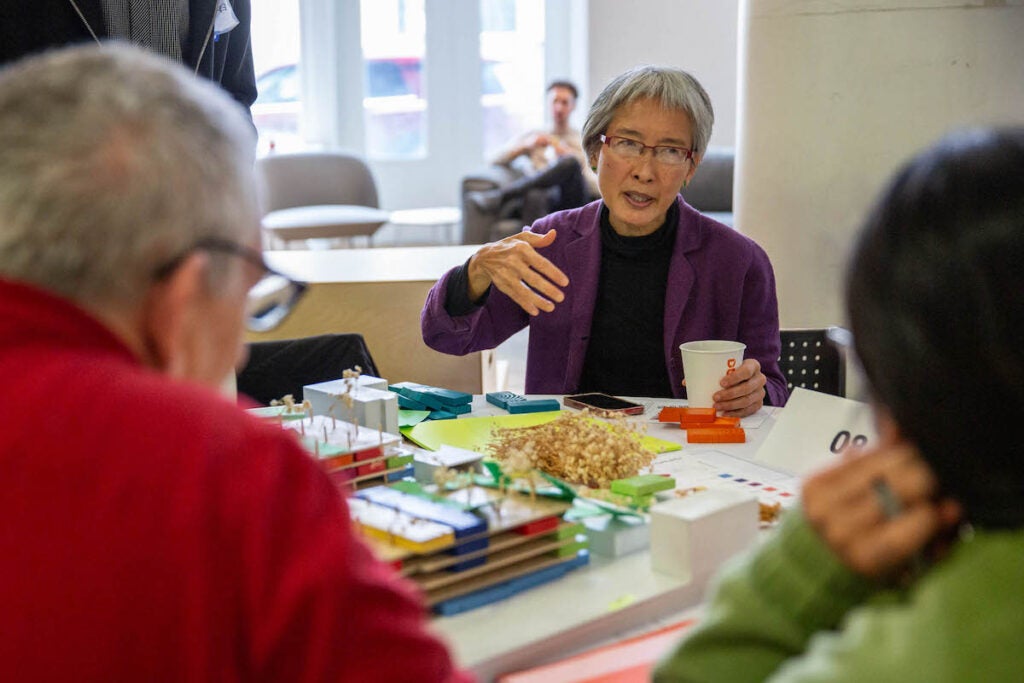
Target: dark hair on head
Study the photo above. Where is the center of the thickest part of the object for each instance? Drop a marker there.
(568, 85)
(935, 294)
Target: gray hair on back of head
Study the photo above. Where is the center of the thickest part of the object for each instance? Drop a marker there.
(116, 161)
(673, 88)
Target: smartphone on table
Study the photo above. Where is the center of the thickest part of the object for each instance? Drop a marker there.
(612, 404)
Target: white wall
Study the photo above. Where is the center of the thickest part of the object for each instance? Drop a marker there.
(696, 35)
(834, 95)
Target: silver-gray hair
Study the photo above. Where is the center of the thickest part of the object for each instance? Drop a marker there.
(115, 161)
(674, 88)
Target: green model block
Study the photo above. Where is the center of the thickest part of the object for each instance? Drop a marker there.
(643, 485)
(571, 549)
(566, 531)
(399, 460)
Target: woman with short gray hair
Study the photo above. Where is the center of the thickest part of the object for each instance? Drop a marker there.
(673, 88)
(610, 290)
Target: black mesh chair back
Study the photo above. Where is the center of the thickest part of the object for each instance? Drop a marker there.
(276, 368)
(811, 361)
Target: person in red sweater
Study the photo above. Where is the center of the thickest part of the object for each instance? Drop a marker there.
(151, 530)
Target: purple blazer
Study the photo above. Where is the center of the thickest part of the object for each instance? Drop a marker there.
(720, 286)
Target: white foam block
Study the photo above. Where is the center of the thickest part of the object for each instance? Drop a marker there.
(614, 536)
(337, 387)
(370, 407)
(425, 463)
(372, 382)
(343, 434)
(692, 536)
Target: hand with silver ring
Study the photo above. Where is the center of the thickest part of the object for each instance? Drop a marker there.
(879, 510)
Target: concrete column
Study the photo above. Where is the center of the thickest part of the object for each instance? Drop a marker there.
(833, 96)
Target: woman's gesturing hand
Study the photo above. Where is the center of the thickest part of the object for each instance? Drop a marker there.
(514, 267)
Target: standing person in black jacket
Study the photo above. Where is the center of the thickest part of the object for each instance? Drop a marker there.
(210, 37)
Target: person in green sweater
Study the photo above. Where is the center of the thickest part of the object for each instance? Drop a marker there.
(906, 562)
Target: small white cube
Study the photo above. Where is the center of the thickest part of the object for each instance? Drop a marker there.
(614, 536)
(373, 408)
(692, 536)
(372, 382)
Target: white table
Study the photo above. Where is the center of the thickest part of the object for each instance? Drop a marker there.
(380, 294)
(446, 217)
(607, 599)
(327, 221)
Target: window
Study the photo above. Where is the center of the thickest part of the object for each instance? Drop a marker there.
(512, 56)
(393, 38)
(275, 51)
(396, 81)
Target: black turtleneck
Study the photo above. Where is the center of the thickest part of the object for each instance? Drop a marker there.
(626, 351)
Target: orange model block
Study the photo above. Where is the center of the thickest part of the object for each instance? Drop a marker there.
(670, 414)
(697, 414)
(718, 422)
(682, 414)
(716, 435)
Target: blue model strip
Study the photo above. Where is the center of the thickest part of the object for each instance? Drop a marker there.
(462, 523)
(536, 405)
(486, 596)
(501, 398)
(466, 548)
(450, 397)
(425, 398)
(401, 474)
(410, 404)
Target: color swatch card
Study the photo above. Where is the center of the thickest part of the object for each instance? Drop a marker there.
(712, 469)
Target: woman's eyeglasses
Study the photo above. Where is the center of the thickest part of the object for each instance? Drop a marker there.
(627, 148)
(268, 302)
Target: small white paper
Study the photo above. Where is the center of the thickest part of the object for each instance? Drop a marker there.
(225, 19)
(813, 429)
(450, 456)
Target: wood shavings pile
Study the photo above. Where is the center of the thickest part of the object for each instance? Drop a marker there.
(575, 447)
(769, 514)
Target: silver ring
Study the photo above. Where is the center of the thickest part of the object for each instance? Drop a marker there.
(891, 505)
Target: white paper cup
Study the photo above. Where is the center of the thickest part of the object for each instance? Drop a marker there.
(705, 363)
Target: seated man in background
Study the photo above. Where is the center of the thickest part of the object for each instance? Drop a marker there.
(151, 530)
(551, 161)
(906, 563)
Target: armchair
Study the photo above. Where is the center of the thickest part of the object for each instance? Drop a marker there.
(479, 226)
(710, 192)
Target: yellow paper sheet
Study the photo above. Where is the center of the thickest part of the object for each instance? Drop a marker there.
(474, 433)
